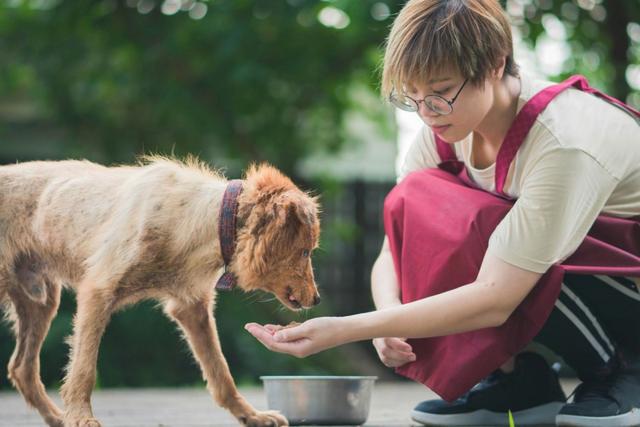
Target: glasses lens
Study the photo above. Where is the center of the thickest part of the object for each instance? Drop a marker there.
(403, 103)
(437, 105)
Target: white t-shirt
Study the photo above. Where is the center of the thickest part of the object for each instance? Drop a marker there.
(581, 158)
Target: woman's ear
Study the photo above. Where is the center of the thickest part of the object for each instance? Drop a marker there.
(498, 72)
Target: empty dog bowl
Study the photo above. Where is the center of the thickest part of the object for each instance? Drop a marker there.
(320, 400)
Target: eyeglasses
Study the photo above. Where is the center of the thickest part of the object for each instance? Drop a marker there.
(435, 103)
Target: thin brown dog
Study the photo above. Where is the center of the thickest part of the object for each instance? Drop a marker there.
(117, 235)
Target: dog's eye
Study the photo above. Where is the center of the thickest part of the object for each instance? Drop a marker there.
(305, 253)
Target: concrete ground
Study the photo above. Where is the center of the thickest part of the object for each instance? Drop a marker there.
(390, 406)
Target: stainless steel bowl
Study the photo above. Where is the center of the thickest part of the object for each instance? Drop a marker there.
(320, 400)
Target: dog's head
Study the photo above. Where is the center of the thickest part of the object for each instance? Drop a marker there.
(279, 229)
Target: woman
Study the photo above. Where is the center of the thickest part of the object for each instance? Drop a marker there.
(487, 243)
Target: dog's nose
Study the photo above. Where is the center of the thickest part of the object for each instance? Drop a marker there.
(316, 300)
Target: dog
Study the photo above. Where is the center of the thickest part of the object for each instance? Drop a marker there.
(117, 235)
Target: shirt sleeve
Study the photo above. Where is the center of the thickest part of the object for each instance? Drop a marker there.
(560, 200)
(422, 154)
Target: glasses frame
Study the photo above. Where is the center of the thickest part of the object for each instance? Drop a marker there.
(395, 100)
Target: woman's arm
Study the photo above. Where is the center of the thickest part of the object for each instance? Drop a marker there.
(385, 290)
(487, 302)
(384, 284)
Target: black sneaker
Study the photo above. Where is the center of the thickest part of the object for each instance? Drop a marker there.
(531, 392)
(610, 402)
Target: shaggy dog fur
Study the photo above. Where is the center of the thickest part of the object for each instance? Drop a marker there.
(117, 235)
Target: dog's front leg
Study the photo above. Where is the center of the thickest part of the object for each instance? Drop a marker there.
(92, 316)
(197, 322)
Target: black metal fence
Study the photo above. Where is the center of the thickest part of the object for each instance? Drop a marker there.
(352, 233)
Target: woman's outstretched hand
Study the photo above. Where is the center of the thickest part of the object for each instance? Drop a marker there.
(302, 340)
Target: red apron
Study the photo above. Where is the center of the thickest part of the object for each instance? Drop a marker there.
(439, 224)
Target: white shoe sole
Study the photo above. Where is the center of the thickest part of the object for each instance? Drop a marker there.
(539, 415)
(630, 419)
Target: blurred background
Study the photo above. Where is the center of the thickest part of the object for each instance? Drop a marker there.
(292, 82)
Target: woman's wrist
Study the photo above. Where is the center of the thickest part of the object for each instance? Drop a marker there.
(342, 331)
(358, 327)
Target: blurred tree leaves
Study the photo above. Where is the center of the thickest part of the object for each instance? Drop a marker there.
(602, 37)
(252, 80)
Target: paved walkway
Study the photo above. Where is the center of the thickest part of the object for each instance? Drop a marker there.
(390, 406)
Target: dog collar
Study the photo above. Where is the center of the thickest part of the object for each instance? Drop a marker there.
(227, 232)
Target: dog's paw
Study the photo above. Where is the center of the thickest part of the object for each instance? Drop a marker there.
(54, 421)
(265, 419)
(81, 422)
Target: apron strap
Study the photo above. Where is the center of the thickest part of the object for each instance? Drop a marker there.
(527, 117)
(448, 160)
(520, 128)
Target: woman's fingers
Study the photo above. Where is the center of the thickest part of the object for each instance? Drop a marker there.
(273, 328)
(399, 344)
(262, 333)
(397, 360)
(296, 348)
(268, 327)
(280, 333)
(399, 347)
(398, 355)
(293, 333)
(394, 352)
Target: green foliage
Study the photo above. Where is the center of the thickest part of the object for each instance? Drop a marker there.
(597, 34)
(252, 80)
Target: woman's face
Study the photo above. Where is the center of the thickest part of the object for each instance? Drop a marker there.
(469, 109)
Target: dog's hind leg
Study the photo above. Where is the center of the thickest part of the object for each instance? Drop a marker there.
(94, 311)
(196, 320)
(31, 324)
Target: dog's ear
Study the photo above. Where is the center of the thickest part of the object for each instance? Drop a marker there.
(286, 220)
(255, 234)
(299, 206)
(258, 260)
(295, 210)
(273, 226)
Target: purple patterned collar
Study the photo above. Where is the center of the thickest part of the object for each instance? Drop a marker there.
(227, 232)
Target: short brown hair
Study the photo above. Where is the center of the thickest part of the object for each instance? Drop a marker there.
(429, 36)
